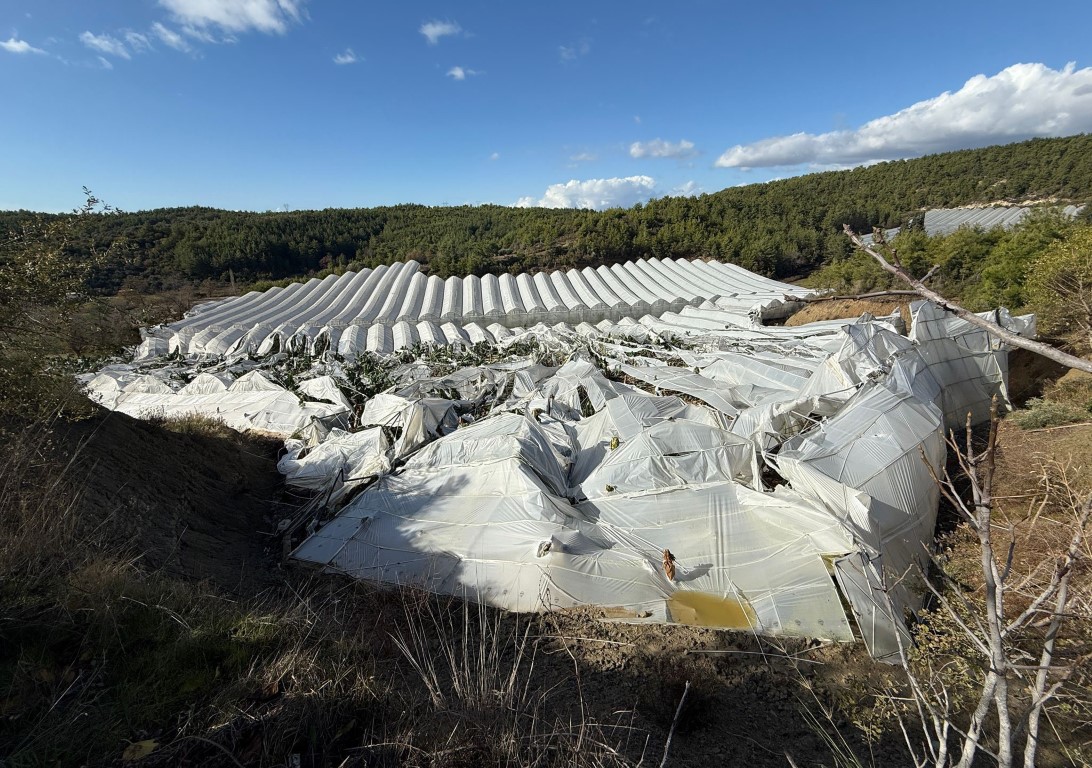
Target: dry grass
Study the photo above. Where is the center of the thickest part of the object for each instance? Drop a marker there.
(478, 666)
(98, 655)
(1041, 480)
(195, 424)
(848, 309)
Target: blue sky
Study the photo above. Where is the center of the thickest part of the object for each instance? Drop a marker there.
(266, 104)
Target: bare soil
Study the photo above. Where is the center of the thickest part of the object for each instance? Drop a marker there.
(849, 309)
(195, 506)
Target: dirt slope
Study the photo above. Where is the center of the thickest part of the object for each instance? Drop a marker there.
(196, 506)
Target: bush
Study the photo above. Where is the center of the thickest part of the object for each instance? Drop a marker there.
(1039, 413)
(1059, 287)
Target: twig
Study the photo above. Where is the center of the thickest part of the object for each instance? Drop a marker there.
(578, 639)
(851, 297)
(726, 651)
(674, 724)
(1063, 426)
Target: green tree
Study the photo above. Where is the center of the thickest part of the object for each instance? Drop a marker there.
(1059, 287)
(43, 282)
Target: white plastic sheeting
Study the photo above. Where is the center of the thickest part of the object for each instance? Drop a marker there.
(669, 454)
(340, 462)
(370, 303)
(970, 364)
(478, 515)
(571, 484)
(251, 402)
(584, 505)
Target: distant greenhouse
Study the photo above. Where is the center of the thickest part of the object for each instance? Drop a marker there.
(944, 221)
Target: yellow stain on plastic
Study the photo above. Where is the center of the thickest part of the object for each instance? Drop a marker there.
(701, 609)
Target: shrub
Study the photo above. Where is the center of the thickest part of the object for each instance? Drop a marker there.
(1059, 287)
(1040, 413)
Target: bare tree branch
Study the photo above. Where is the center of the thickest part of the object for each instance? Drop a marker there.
(994, 329)
(852, 297)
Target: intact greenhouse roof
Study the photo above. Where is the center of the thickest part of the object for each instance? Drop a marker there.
(400, 297)
(944, 221)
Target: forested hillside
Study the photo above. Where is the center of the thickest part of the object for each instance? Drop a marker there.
(780, 228)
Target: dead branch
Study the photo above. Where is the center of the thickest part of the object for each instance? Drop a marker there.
(994, 329)
(1040, 693)
(852, 297)
(1007, 692)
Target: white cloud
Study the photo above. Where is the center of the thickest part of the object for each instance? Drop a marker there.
(105, 62)
(495, 156)
(583, 157)
(661, 148)
(138, 41)
(203, 35)
(105, 44)
(688, 189)
(434, 30)
(459, 73)
(347, 57)
(19, 46)
(269, 16)
(1020, 102)
(574, 51)
(171, 38)
(594, 193)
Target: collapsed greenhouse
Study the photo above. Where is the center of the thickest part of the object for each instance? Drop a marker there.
(637, 437)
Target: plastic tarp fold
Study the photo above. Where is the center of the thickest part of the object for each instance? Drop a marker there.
(341, 461)
(420, 420)
(483, 524)
(670, 454)
(867, 466)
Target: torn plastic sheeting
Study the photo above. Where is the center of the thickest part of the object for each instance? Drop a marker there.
(879, 618)
(933, 322)
(867, 466)
(575, 378)
(770, 424)
(957, 382)
(740, 370)
(865, 354)
(623, 418)
(969, 380)
(875, 445)
(473, 384)
(150, 348)
(324, 389)
(340, 458)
